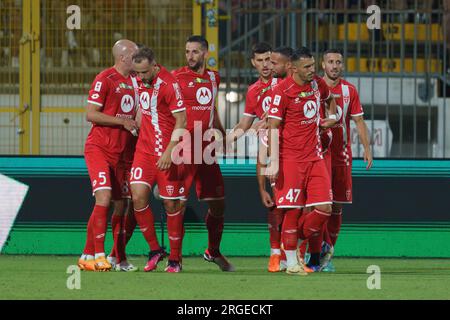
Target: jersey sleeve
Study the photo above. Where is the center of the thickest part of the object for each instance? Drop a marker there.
(250, 105)
(175, 98)
(98, 92)
(277, 106)
(356, 108)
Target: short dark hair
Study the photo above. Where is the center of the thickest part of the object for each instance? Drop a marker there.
(303, 52)
(199, 39)
(260, 47)
(284, 51)
(332, 50)
(144, 53)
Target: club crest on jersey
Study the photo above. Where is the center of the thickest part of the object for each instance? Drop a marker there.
(266, 103)
(310, 109)
(144, 100)
(348, 193)
(204, 95)
(169, 190)
(127, 103)
(346, 99)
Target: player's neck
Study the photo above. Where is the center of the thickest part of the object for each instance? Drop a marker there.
(200, 70)
(330, 82)
(123, 71)
(264, 79)
(298, 80)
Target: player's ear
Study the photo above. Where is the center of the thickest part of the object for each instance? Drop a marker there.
(253, 62)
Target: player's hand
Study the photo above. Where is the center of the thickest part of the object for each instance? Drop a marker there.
(368, 158)
(266, 199)
(131, 126)
(165, 161)
(327, 123)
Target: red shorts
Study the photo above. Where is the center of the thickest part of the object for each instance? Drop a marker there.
(144, 171)
(104, 172)
(208, 181)
(303, 184)
(342, 184)
(327, 159)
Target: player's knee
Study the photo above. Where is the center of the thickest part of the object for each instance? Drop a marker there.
(140, 199)
(337, 207)
(103, 198)
(217, 207)
(172, 206)
(324, 208)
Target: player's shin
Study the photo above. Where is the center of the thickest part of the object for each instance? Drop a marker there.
(175, 233)
(289, 236)
(145, 220)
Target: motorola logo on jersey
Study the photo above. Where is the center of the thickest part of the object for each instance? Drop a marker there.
(144, 100)
(127, 103)
(204, 95)
(338, 112)
(310, 109)
(266, 103)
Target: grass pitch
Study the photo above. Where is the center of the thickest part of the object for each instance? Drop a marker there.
(45, 277)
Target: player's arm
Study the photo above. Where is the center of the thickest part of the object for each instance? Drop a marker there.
(165, 161)
(273, 165)
(364, 137)
(331, 120)
(139, 118)
(261, 178)
(94, 115)
(239, 130)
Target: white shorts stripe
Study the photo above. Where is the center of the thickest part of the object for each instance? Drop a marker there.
(275, 117)
(317, 204)
(141, 182)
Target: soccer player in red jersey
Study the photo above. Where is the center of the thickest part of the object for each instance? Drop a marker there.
(162, 116)
(300, 174)
(111, 109)
(200, 87)
(348, 107)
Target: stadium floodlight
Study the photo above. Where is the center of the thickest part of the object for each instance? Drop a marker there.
(12, 195)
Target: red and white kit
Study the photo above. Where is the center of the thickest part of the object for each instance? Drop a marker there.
(303, 179)
(117, 96)
(200, 94)
(158, 100)
(348, 105)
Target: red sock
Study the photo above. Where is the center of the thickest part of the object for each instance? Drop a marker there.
(326, 233)
(314, 222)
(100, 226)
(334, 226)
(144, 218)
(89, 248)
(275, 217)
(289, 230)
(215, 230)
(315, 241)
(118, 247)
(129, 226)
(175, 233)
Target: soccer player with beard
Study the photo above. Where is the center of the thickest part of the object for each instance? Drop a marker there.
(199, 86)
(111, 109)
(348, 107)
(300, 174)
(162, 116)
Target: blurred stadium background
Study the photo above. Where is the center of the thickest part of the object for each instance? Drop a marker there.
(400, 70)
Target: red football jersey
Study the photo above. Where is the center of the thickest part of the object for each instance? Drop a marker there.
(258, 98)
(199, 94)
(158, 101)
(348, 105)
(117, 96)
(298, 108)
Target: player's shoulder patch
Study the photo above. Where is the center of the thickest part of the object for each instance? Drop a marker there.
(276, 100)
